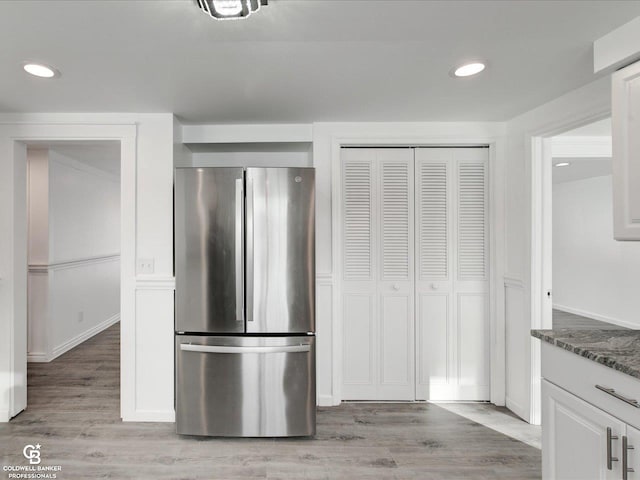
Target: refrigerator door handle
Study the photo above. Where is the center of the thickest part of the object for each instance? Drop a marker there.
(239, 253)
(249, 241)
(188, 347)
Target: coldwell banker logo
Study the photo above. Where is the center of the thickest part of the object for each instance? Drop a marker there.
(32, 453)
(34, 469)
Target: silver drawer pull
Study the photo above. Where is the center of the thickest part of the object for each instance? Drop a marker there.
(613, 393)
(187, 347)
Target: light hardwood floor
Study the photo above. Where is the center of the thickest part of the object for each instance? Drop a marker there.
(73, 414)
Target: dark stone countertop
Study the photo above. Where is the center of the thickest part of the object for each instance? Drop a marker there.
(614, 347)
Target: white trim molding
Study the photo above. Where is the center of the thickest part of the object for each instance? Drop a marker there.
(151, 416)
(155, 282)
(515, 282)
(74, 263)
(17, 131)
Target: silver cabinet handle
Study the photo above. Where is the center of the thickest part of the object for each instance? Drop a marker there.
(625, 461)
(612, 392)
(610, 458)
(239, 253)
(188, 347)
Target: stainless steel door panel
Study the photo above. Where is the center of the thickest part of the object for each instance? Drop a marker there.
(280, 242)
(209, 250)
(245, 386)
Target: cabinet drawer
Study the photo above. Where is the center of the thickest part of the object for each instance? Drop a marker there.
(580, 376)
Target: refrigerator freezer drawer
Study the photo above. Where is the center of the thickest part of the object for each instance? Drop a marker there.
(245, 386)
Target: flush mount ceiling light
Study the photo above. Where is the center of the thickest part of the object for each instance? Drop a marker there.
(40, 70)
(468, 69)
(563, 164)
(230, 9)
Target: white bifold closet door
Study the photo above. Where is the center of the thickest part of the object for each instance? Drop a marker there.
(415, 271)
(378, 286)
(452, 327)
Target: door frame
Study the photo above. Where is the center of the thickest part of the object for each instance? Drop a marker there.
(14, 138)
(541, 239)
(496, 242)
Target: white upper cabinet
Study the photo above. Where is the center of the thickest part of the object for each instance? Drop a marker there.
(625, 124)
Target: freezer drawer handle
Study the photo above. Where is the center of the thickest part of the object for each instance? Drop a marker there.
(188, 347)
(613, 393)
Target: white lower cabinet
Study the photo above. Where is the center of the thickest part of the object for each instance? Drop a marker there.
(582, 442)
(579, 441)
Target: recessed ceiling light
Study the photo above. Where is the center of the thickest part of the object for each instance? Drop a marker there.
(40, 70)
(563, 164)
(469, 69)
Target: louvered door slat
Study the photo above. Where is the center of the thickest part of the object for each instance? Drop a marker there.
(471, 221)
(394, 206)
(432, 221)
(357, 220)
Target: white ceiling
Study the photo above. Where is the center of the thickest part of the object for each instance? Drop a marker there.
(101, 154)
(581, 168)
(584, 167)
(301, 60)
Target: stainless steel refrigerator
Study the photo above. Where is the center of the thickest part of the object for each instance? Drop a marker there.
(245, 301)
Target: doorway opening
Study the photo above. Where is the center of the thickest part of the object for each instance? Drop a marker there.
(595, 278)
(578, 277)
(73, 280)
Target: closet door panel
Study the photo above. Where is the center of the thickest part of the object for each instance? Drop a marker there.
(395, 273)
(359, 299)
(435, 348)
(378, 262)
(432, 342)
(451, 236)
(471, 281)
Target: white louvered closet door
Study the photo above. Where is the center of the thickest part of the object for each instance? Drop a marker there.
(378, 287)
(452, 327)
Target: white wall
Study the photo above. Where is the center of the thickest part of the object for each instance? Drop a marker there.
(253, 159)
(593, 275)
(84, 210)
(74, 246)
(579, 107)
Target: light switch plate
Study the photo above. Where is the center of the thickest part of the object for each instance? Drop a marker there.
(145, 266)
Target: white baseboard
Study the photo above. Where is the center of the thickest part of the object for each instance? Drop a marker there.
(38, 357)
(84, 336)
(325, 401)
(168, 416)
(4, 416)
(596, 316)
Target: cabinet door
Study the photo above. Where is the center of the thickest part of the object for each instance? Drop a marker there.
(625, 124)
(575, 443)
